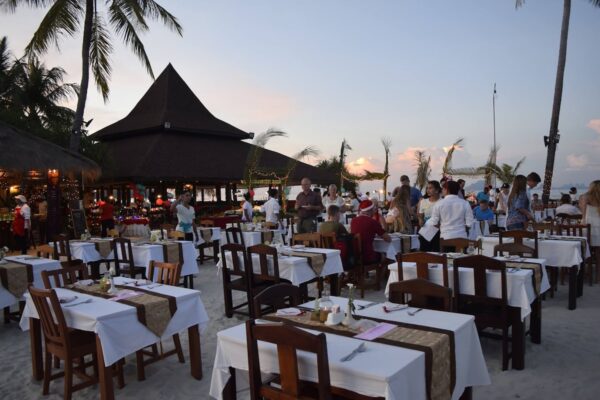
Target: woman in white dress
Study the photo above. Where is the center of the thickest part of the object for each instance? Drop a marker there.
(335, 200)
(590, 207)
(185, 216)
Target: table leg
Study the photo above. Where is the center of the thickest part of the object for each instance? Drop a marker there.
(35, 339)
(580, 279)
(216, 251)
(536, 321)
(230, 390)
(518, 339)
(467, 394)
(572, 288)
(195, 351)
(334, 285)
(105, 375)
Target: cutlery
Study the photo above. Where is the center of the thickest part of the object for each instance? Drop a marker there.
(411, 313)
(89, 300)
(367, 305)
(154, 286)
(359, 349)
(389, 310)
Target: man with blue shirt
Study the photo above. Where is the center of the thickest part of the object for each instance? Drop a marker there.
(483, 212)
(415, 194)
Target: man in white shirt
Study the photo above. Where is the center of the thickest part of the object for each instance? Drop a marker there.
(271, 208)
(452, 214)
(533, 179)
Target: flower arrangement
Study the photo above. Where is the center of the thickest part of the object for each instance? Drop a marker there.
(349, 320)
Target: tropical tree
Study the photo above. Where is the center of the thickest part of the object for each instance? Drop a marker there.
(504, 172)
(552, 139)
(333, 165)
(423, 169)
(128, 19)
(446, 168)
(253, 161)
(306, 152)
(387, 144)
(342, 160)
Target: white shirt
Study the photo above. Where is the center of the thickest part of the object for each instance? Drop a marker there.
(26, 213)
(453, 215)
(271, 209)
(185, 215)
(248, 208)
(492, 195)
(339, 201)
(502, 202)
(568, 209)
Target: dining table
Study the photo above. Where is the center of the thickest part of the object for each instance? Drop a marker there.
(399, 243)
(254, 237)
(525, 288)
(558, 251)
(117, 326)
(383, 370)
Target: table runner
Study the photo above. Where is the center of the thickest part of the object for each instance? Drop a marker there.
(266, 236)
(16, 277)
(316, 261)
(103, 247)
(154, 310)
(171, 252)
(206, 235)
(437, 344)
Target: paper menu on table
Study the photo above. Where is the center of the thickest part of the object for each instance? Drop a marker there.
(375, 332)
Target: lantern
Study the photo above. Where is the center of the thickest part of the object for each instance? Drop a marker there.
(53, 176)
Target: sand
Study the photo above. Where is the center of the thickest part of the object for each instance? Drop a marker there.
(565, 365)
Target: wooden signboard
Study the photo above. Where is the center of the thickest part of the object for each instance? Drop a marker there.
(79, 223)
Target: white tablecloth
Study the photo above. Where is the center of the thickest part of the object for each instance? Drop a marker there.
(520, 290)
(252, 238)
(215, 234)
(390, 249)
(383, 370)
(557, 253)
(479, 228)
(82, 250)
(144, 253)
(296, 269)
(38, 265)
(136, 230)
(117, 324)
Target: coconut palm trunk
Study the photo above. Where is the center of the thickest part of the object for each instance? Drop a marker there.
(558, 89)
(75, 140)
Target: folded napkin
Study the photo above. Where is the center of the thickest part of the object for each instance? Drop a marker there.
(125, 294)
(85, 282)
(66, 299)
(387, 306)
(139, 282)
(288, 311)
(298, 246)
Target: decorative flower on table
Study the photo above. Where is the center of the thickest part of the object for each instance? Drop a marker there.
(351, 305)
(154, 237)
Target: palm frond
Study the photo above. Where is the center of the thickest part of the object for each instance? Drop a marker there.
(100, 49)
(387, 144)
(371, 176)
(11, 5)
(519, 3)
(262, 139)
(479, 171)
(62, 18)
(135, 13)
(157, 12)
(309, 151)
(448, 161)
(125, 28)
(518, 165)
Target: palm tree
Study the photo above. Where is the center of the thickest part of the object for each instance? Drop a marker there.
(387, 143)
(253, 161)
(423, 169)
(448, 161)
(309, 151)
(553, 138)
(345, 146)
(128, 18)
(333, 165)
(506, 173)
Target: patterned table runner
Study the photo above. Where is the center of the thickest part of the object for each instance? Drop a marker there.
(437, 344)
(154, 310)
(103, 247)
(316, 261)
(206, 235)
(266, 236)
(16, 277)
(171, 252)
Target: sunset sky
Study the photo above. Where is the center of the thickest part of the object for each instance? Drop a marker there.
(420, 72)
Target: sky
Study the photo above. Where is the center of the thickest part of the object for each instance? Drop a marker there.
(419, 72)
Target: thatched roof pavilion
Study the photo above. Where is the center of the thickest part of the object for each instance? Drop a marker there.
(170, 136)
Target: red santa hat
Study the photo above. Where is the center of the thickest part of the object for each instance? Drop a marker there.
(365, 205)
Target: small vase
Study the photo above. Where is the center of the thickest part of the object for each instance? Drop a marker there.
(349, 320)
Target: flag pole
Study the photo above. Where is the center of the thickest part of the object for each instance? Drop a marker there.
(494, 119)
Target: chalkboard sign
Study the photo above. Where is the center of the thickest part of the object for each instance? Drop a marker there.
(79, 223)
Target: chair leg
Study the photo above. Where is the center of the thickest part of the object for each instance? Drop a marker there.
(68, 378)
(56, 362)
(504, 349)
(6, 315)
(178, 347)
(47, 372)
(120, 376)
(201, 251)
(228, 300)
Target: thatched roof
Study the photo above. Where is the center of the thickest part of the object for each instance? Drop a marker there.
(21, 152)
(170, 104)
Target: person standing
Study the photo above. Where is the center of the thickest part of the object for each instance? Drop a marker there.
(415, 194)
(434, 192)
(533, 179)
(518, 204)
(452, 214)
(461, 190)
(334, 200)
(247, 210)
(185, 216)
(589, 203)
(308, 205)
(107, 217)
(398, 218)
(22, 223)
(271, 208)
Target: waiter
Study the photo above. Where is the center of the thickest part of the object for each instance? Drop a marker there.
(22, 223)
(308, 205)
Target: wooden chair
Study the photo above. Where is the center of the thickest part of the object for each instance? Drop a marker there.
(513, 249)
(123, 254)
(267, 256)
(541, 227)
(166, 274)
(65, 343)
(67, 275)
(349, 217)
(270, 225)
(113, 233)
(290, 227)
(423, 260)
(423, 294)
(45, 251)
(213, 244)
(362, 270)
(581, 230)
(188, 281)
(519, 235)
(488, 311)
(566, 219)
(176, 235)
(288, 340)
(236, 277)
(459, 245)
(307, 239)
(277, 296)
(328, 240)
(62, 247)
(234, 235)
(207, 223)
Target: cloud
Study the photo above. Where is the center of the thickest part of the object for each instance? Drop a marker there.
(364, 163)
(577, 161)
(594, 124)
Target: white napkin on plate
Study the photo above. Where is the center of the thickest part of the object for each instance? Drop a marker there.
(393, 306)
(66, 299)
(85, 282)
(288, 311)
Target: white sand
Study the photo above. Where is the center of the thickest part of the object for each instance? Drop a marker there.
(565, 365)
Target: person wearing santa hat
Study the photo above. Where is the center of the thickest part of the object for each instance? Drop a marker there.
(368, 229)
(22, 223)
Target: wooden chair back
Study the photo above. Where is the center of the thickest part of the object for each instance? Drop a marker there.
(328, 240)
(113, 233)
(62, 247)
(123, 254)
(290, 225)
(541, 227)
(423, 261)
(480, 265)
(270, 225)
(349, 217)
(288, 340)
(166, 273)
(234, 235)
(51, 316)
(277, 296)
(45, 251)
(423, 294)
(238, 259)
(177, 235)
(513, 249)
(460, 245)
(583, 230)
(266, 255)
(67, 275)
(519, 235)
(565, 219)
(307, 239)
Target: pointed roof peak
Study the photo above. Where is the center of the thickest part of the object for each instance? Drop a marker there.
(170, 104)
